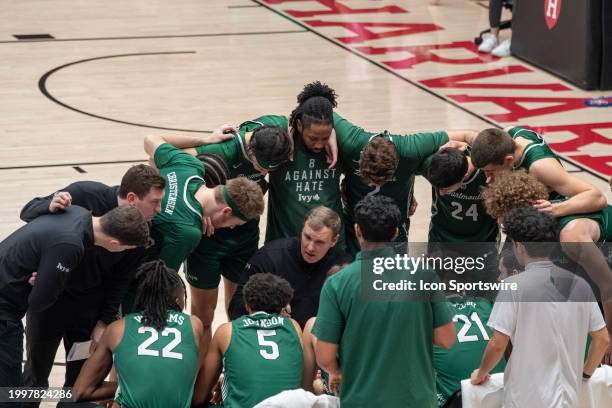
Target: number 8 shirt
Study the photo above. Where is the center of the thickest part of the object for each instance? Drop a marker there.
(264, 358)
(156, 368)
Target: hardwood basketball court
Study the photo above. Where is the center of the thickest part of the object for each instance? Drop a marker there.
(88, 80)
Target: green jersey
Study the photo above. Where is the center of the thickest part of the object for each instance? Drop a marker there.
(264, 358)
(412, 150)
(177, 229)
(234, 153)
(536, 150)
(299, 186)
(385, 347)
(603, 219)
(156, 369)
(457, 363)
(460, 216)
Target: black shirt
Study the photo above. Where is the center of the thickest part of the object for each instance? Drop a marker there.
(53, 246)
(283, 257)
(104, 277)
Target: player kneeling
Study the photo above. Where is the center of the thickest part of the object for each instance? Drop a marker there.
(261, 352)
(155, 350)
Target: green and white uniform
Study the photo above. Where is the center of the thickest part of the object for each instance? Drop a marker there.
(177, 228)
(299, 186)
(156, 369)
(457, 363)
(603, 219)
(264, 358)
(385, 347)
(461, 216)
(536, 150)
(228, 250)
(412, 150)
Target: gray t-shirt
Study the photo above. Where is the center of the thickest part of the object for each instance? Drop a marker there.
(547, 319)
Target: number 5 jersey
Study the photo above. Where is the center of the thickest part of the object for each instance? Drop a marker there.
(264, 358)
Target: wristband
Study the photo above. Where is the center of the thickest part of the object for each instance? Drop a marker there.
(585, 376)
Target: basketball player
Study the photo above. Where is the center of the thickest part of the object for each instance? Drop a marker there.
(494, 150)
(383, 163)
(190, 210)
(261, 353)
(308, 181)
(457, 210)
(155, 350)
(579, 233)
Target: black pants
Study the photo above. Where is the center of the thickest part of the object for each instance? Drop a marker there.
(495, 12)
(11, 352)
(65, 321)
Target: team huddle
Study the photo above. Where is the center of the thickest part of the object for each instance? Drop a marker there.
(101, 264)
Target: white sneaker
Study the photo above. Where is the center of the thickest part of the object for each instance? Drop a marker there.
(489, 42)
(502, 50)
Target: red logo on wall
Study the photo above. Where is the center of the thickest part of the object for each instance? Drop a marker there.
(552, 9)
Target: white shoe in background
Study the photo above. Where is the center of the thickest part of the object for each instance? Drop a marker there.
(502, 50)
(488, 43)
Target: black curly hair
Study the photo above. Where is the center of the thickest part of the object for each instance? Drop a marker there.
(378, 218)
(537, 231)
(448, 167)
(271, 144)
(316, 104)
(265, 292)
(156, 293)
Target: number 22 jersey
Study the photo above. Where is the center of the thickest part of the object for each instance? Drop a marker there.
(156, 369)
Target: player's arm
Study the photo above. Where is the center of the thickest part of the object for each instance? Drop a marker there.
(152, 142)
(310, 363)
(463, 136)
(600, 340)
(213, 364)
(55, 264)
(492, 354)
(444, 336)
(443, 325)
(198, 332)
(57, 201)
(583, 196)
(90, 385)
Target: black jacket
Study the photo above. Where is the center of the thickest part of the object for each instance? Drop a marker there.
(104, 277)
(283, 257)
(54, 247)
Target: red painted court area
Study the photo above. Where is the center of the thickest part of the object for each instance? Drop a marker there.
(435, 52)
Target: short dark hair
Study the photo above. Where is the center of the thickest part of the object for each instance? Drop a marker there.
(156, 293)
(272, 145)
(265, 292)
(378, 161)
(491, 146)
(127, 225)
(448, 167)
(140, 179)
(378, 218)
(316, 105)
(534, 229)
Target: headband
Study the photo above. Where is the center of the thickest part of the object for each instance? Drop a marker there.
(232, 204)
